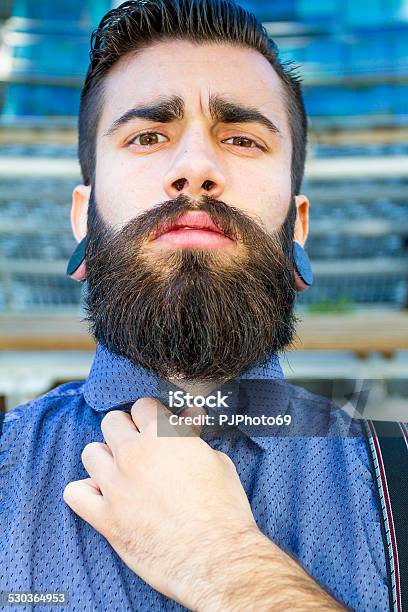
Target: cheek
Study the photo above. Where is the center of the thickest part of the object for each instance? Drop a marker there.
(122, 190)
(268, 200)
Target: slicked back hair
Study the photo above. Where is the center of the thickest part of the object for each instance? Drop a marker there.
(136, 24)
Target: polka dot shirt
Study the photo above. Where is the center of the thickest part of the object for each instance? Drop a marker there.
(310, 490)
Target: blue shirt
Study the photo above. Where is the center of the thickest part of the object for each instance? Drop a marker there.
(312, 495)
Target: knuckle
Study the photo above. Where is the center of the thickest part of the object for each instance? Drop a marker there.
(69, 491)
(89, 451)
(144, 403)
(140, 403)
(108, 417)
(126, 452)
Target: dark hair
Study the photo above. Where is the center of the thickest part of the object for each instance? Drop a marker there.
(136, 24)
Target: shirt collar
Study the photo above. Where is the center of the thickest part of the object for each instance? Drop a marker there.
(114, 380)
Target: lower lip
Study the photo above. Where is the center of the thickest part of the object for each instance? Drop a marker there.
(201, 239)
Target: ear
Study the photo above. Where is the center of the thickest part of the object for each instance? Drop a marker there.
(79, 211)
(301, 230)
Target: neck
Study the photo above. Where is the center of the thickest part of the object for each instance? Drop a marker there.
(195, 387)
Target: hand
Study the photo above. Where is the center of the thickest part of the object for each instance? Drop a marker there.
(172, 507)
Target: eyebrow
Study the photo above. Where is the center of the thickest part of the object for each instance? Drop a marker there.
(171, 108)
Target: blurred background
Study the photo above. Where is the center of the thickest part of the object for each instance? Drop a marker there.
(353, 57)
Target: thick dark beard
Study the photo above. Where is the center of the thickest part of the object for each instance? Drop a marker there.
(192, 314)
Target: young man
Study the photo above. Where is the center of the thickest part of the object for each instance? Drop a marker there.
(192, 141)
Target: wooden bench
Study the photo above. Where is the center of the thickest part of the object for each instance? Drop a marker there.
(361, 332)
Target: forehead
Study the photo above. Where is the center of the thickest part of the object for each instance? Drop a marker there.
(193, 71)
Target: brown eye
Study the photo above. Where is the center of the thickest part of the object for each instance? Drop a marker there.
(241, 139)
(147, 139)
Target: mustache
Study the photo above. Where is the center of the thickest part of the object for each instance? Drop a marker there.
(232, 222)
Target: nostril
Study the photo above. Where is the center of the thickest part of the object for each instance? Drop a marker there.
(207, 185)
(179, 184)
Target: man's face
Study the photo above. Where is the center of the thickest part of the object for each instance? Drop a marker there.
(192, 303)
(221, 160)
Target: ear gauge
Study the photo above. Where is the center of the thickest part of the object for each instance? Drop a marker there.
(76, 267)
(303, 268)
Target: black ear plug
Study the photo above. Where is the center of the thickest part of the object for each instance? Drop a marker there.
(302, 266)
(77, 257)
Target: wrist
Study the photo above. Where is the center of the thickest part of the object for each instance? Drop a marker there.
(229, 565)
(253, 573)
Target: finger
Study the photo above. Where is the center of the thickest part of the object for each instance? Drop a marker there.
(97, 459)
(146, 412)
(83, 498)
(152, 418)
(196, 425)
(117, 427)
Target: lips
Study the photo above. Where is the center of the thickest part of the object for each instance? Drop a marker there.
(191, 220)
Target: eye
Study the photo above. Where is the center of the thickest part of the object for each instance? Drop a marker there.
(144, 139)
(247, 140)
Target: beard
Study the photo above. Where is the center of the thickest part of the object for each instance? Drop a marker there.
(189, 313)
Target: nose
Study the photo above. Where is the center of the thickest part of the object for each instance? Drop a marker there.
(195, 173)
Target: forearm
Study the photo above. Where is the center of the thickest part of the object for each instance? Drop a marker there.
(258, 575)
